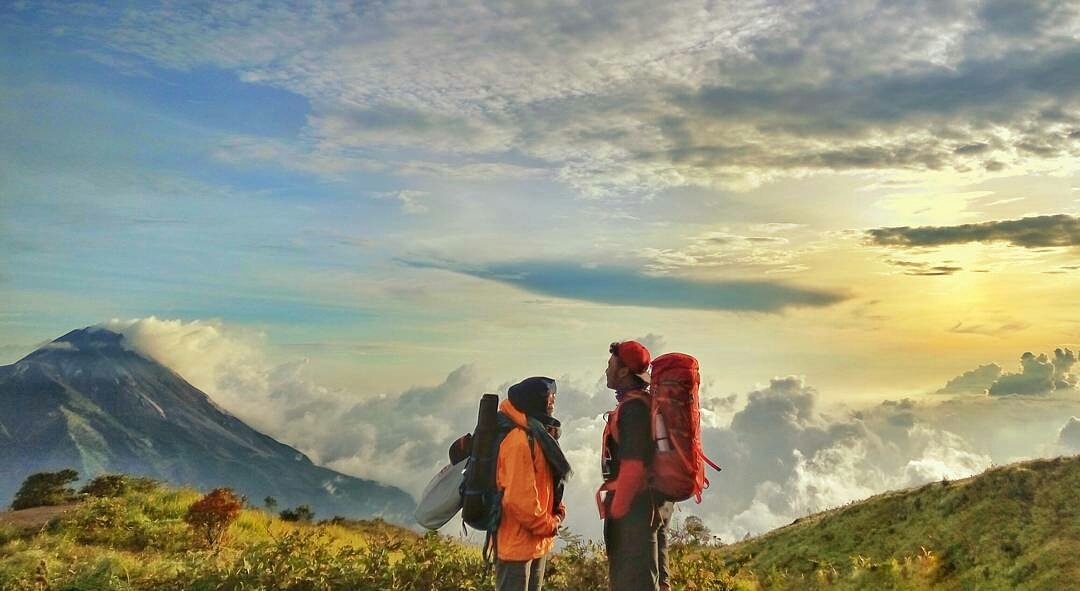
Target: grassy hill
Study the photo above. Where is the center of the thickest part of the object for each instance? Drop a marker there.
(1014, 527)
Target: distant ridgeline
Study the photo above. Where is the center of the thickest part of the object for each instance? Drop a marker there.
(87, 402)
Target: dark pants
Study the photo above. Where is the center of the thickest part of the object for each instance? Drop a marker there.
(633, 557)
(513, 575)
(664, 510)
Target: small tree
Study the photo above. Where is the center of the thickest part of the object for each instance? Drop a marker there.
(693, 532)
(212, 515)
(270, 503)
(46, 488)
(301, 513)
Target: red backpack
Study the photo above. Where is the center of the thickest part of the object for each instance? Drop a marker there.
(678, 466)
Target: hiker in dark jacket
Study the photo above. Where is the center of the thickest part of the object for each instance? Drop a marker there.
(633, 518)
(531, 474)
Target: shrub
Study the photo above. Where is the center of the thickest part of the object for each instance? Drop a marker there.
(117, 522)
(302, 514)
(118, 485)
(580, 566)
(211, 516)
(46, 488)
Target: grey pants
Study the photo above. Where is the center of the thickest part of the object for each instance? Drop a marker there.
(633, 555)
(526, 575)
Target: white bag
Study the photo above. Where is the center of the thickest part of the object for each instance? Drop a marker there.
(441, 499)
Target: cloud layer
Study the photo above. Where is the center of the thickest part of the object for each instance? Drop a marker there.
(785, 454)
(630, 98)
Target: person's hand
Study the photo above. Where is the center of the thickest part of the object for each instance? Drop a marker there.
(560, 512)
(558, 524)
(620, 505)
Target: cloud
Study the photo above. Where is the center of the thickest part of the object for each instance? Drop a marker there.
(1031, 232)
(1064, 359)
(628, 287)
(1069, 435)
(976, 381)
(921, 269)
(410, 200)
(764, 251)
(1038, 375)
(991, 331)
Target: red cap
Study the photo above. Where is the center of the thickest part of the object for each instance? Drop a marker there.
(634, 356)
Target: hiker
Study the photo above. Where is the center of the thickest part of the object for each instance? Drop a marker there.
(531, 473)
(634, 518)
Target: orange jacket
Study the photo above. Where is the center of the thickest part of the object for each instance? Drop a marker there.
(527, 529)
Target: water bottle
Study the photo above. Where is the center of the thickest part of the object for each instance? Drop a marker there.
(663, 442)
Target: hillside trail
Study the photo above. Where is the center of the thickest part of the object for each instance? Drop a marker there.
(33, 518)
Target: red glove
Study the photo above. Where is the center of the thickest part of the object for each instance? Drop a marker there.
(630, 482)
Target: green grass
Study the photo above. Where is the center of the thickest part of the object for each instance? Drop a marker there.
(1015, 527)
(1012, 527)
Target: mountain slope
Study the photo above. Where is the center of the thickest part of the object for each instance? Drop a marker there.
(87, 402)
(1016, 526)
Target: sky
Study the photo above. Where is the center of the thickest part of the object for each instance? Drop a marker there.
(861, 201)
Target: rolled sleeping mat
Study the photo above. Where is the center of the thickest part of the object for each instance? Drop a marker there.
(480, 467)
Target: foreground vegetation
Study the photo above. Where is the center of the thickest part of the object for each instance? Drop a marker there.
(1013, 527)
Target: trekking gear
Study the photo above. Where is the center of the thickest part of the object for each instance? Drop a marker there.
(461, 448)
(677, 469)
(480, 499)
(678, 465)
(441, 499)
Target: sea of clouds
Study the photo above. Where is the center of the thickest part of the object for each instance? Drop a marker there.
(786, 452)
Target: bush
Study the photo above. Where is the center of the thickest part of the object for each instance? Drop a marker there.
(45, 489)
(580, 566)
(302, 514)
(121, 523)
(211, 516)
(118, 485)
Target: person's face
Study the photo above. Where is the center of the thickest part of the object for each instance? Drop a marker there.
(551, 404)
(616, 372)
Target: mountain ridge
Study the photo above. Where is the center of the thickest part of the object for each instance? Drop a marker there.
(89, 402)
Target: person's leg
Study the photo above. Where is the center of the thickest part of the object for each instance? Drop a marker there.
(511, 575)
(664, 510)
(661, 558)
(537, 567)
(631, 547)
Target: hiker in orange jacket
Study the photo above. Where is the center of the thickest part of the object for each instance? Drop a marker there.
(634, 521)
(531, 474)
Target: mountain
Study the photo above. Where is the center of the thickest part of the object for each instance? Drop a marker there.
(1011, 527)
(86, 401)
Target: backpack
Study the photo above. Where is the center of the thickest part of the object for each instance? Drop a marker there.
(678, 465)
(677, 470)
(481, 499)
